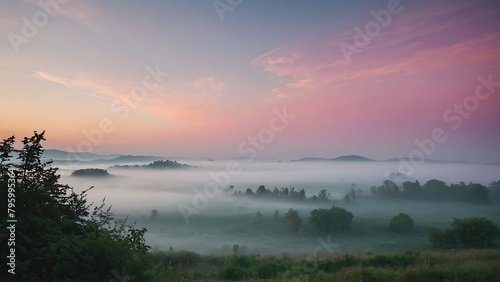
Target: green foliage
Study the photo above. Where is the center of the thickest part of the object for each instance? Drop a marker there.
(329, 221)
(469, 265)
(435, 190)
(58, 237)
(401, 223)
(387, 189)
(231, 272)
(412, 189)
(268, 268)
(292, 221)
(467, 232)
(262, 190)
(494, 190)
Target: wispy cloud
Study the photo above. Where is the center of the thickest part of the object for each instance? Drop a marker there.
(433, 39)
(207, 85)
(86, 13)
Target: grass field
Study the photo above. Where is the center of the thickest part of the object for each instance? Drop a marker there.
(451, 265)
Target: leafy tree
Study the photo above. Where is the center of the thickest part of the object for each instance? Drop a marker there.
(467, 232)
(435, 189)
(261, 190)
(352, 192)
(58, 236)
(154, 213)
(276, 193)
(388, 188)
(249, 191)
(292, 221)
(401, 223)
(284, 192)
(236, 249)
(472, 193)
(324, 196)
(95, 172)
(412, 189)
(328, 221)
(494, 189)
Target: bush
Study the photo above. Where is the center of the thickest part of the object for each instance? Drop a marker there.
(231, 272)
(328, 221)
(268, 269)
(467, 232)
(401, 223)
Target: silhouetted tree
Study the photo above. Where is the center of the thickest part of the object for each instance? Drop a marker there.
(261, 190)
(323, 196)
(58, 236)
(292, 221)
(401, 223)
(412, 189)
(435, 189)
(467, 232)
(329, 221)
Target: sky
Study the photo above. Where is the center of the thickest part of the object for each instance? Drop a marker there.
(280, 79)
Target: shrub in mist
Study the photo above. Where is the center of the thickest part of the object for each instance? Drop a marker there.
(401, 223)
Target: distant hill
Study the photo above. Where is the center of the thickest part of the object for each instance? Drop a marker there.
(348, 158)
(63, 157)
(311, 159)
(71, 156)
(352, 158)
(427, 161)
(357, 158)
(156, 165)
(133, 159)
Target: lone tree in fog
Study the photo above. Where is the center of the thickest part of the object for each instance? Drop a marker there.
(401, 223)
(154, 213)
(292, 221)
(328, 221)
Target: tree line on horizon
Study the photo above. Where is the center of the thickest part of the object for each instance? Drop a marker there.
(432, 190)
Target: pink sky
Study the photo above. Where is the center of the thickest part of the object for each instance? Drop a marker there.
(225, 78)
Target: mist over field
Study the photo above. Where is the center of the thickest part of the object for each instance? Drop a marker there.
(221, 219)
